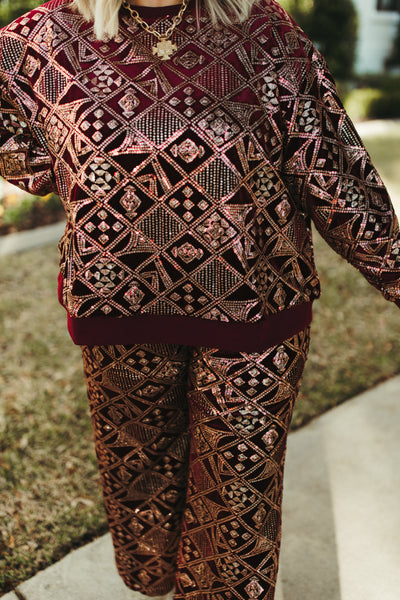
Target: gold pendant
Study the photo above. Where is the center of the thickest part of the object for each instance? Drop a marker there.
(165, 49)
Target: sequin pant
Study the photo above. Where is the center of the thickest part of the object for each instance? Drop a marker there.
(191, 445)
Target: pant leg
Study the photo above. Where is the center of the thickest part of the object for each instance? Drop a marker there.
(137, 398)
(241, 406)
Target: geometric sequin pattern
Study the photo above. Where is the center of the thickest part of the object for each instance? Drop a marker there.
(191, 445)
(207, 168)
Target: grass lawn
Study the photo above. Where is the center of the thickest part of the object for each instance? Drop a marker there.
(50, 500)
(49, 493)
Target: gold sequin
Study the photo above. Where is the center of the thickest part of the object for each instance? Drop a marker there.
(191, 443)
(210, 184)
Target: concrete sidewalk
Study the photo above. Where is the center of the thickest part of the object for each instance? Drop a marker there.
(33, 238)
(341, 518)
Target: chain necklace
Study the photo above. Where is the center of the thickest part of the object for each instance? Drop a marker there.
(165, 48)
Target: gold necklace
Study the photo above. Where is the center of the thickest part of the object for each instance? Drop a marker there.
(165, 48)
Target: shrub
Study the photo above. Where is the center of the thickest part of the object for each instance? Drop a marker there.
(11, 10)
(23, 211)
(333, 26)
(393, 60)
(380, 81)
(16, 212)
(386, 107)
(372, 103)
(373, 97)
(300, 10)
(359, 101)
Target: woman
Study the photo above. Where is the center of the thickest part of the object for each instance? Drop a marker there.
(191, 146)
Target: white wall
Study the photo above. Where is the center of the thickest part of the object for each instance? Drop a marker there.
(377, 30)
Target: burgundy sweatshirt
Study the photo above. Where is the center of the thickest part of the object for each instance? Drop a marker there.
(190, 184)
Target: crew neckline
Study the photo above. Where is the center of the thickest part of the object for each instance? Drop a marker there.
(160, 11)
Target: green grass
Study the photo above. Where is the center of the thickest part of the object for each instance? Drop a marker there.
(355, 339)
(50, 498)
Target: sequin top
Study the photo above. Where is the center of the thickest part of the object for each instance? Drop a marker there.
(189, 184)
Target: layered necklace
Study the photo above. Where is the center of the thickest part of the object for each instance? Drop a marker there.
(165, 48)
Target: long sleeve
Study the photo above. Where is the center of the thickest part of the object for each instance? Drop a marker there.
(330, 172)
(24, 158)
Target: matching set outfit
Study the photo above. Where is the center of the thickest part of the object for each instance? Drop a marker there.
(187, 267)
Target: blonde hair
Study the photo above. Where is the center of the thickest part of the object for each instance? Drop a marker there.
(104, 13)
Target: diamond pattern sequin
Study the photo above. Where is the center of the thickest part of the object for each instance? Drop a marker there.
(209, 166)
(216, 526)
